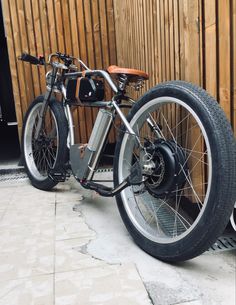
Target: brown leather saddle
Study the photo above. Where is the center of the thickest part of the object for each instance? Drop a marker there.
(132, 74)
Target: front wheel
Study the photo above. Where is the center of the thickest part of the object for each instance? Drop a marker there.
(49, 150)
(187, 156)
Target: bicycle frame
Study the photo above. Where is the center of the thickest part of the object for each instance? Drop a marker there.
(111, 106)
(84, 159)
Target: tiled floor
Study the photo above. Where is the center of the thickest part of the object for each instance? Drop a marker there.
(70, 247)
(43, 256)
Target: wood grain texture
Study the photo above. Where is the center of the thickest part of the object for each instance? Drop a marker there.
(224, 55)
(83, 28)
(169, 39)
(192, 40)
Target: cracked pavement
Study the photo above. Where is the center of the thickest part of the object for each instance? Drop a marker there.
(69, 246)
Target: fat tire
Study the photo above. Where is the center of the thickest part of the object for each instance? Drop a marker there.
(223, 191)
(62, 156)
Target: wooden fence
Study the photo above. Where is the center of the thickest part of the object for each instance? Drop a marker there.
(193, 40)
(84, 28)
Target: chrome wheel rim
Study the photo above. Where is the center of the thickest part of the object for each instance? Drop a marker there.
(165, 220)
(41, 154)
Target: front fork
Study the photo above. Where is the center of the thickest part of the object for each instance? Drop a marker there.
(46, 100)
(42, 113)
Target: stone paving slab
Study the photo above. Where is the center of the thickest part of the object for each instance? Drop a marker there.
(31, 290)
(43, 252)
(104, 285)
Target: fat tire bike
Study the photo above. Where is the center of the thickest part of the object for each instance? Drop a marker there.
(174, 161)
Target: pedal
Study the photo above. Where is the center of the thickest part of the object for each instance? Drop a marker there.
(58, 175)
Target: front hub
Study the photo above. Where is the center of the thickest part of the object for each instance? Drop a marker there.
(170, 170)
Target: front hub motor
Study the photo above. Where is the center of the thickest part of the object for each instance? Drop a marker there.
(170, 170)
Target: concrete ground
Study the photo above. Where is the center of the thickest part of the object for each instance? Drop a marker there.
(70, 247)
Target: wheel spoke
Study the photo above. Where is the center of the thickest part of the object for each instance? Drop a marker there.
(189, 155)
(168, 127)
(167, 204)
(43, 150)
(188, 178)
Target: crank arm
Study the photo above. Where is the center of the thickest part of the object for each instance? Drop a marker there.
(104, 190)
(135, 178)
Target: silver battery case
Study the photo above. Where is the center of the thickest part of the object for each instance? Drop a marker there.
(84, 157)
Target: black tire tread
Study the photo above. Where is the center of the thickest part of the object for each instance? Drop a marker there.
(226, 152)
(62, 123)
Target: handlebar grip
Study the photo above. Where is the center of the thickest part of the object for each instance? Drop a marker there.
(29, 58)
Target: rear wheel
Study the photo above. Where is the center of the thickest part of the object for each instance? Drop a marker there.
(187, 156)
(49, 150)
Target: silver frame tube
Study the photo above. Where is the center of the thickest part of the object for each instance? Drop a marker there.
(71, 135)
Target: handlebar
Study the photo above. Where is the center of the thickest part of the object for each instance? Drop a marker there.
(68, 66)
(68, 61)
(32, 59)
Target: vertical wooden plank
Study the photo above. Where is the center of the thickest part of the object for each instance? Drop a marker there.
(74, 29)
(44, 27)
(118, 8)
(12, 60)
(151, 44)
(59, 26)
(199, 23)
(96, 35)
(104, 41)
(176, 39)
(81, 30)
(210, 47)
(25, 48)
(160, 63)
(234, 63)
(31, 40)
(182, 29)
(147, 40)
(145, 37)
(128, 55)
(18, 52)
(191, 37)
(167, 38)
(155, 43)
(66, 19)
(224, 55)
(51, 26)
(162, 29)
(39, 42)
(171, 35)
(136, 38)
(141, 30)
(111, 32)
